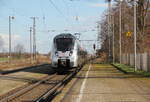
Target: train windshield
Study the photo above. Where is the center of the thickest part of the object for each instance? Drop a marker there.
(64, 44)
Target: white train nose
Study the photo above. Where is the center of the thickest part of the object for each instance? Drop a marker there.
(66, 51)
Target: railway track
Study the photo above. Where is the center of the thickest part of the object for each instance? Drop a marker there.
(42, 90)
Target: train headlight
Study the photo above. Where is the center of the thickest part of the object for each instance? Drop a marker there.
(56, 53)
(71, 52)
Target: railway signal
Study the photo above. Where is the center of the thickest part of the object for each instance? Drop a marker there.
(94, 46)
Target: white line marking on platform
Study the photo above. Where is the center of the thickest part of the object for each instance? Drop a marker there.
(83, 86)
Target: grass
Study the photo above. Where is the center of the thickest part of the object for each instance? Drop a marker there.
(130, 70)
(6, 58)
(100, 63)
(3, 59)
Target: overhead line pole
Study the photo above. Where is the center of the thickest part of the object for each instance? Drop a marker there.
(120, 31)
(113, 38)
(9, 39)
(34, 37)
(109, 6)
(31, 44)
(135, 33)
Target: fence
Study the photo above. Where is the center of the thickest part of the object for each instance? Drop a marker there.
(143, 60)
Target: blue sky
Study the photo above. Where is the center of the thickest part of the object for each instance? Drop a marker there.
(49, 18)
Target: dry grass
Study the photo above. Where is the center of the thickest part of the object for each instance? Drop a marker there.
(15, 64)
(101, 59)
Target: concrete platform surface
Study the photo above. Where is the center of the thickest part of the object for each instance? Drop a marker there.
(104, 83)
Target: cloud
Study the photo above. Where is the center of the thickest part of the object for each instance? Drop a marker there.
(15, 40)
(98, 5)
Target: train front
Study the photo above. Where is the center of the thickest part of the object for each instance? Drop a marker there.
(64, 53)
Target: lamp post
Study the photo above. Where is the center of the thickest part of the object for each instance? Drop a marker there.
(10, 18)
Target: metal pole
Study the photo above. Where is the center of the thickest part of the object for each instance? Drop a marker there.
(98, 32)
(9, 39)
(109, 5)
(113, 39)
(135, 54)
(34, 38)
(30, 44)
(120, 13)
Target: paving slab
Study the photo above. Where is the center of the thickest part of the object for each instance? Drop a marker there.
(104, 83)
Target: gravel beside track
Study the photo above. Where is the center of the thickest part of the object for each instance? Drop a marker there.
(36, 90)
(20, 69)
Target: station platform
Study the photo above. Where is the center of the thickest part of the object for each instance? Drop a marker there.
(104, 83)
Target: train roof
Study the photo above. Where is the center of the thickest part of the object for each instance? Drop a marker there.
(65, 35)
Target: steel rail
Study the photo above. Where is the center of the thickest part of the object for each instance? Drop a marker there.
(50, 93)
(26, 89)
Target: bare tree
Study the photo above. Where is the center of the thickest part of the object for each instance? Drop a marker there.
(142, 22)
(143, 27)
(19, 50)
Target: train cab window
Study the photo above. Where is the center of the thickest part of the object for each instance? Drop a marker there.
(64, 44)
(78, 50)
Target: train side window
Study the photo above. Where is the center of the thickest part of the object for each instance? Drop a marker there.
(78, 50)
